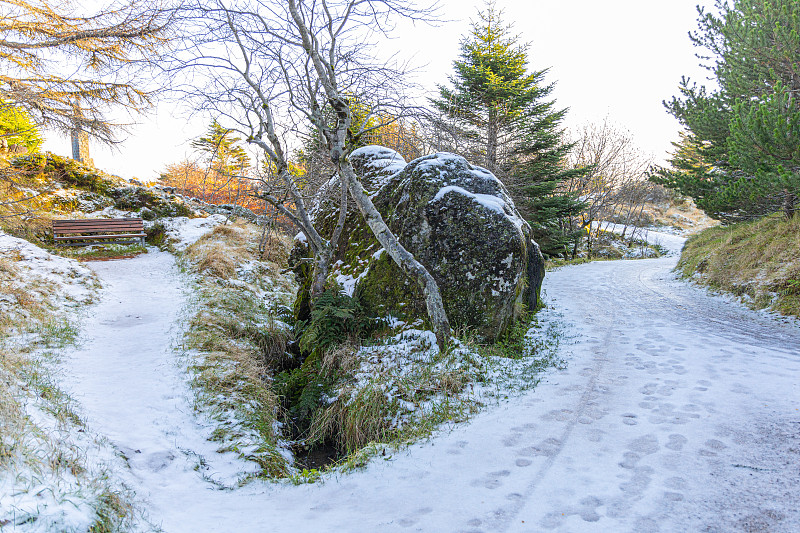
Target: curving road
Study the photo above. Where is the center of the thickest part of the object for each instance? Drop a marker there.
(678, 411)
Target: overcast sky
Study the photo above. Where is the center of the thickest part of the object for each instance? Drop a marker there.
(609, 58)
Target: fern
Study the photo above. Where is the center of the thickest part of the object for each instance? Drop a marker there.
(335, 318)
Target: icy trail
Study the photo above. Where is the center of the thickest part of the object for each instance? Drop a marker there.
(678, 411)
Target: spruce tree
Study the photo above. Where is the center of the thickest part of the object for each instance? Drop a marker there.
(539, 173)
(491, 88)
(501, 110)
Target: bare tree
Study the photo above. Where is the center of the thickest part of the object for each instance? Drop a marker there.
(67, 70)
(272, 66)
(617, 187)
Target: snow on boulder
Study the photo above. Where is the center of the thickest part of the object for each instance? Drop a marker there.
(375, 165)
(459, 221)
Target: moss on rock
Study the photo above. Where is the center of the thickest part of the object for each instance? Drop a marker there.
(67, 172)
(141, 198)
(458, 221)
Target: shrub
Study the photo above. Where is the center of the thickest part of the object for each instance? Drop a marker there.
(335, 319)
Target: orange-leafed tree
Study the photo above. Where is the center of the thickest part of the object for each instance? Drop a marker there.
(220, 174)
(67, 67)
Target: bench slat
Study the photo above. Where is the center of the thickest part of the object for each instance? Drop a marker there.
(105, 224)
(84, 243)
(97, 224)
(98, 230)
(84, 220)
(60, 223)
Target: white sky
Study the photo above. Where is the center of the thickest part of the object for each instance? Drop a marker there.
(614, 58)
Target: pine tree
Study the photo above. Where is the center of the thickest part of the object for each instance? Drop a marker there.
(741, 156)
(225, 155)
(501, 109)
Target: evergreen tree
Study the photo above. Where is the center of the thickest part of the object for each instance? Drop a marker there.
(225, 155)
(741, 155)
(17, 127)
(491, 88)
(223, 174)
(502, 110)
(539, 173)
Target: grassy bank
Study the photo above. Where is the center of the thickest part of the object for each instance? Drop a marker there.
(233, 339)
(352, 387)
(758, 261)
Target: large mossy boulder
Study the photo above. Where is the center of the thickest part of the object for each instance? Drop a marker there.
(458, 220)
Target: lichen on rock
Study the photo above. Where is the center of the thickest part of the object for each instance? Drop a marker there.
(459, 222)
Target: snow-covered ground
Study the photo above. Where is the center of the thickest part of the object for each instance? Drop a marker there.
(669, 241)
(678, 411)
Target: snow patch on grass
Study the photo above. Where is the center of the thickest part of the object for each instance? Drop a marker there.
(54, 474)
(404, 388)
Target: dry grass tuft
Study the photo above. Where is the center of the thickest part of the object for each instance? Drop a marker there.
(221, 251)
(215, 259)
(367, 418)
(384, 400)
(276, 248)
(13, 419)
(237, 342)
(759, 261)
(343, 358)
(19, 302)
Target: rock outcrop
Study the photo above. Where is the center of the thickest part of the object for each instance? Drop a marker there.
(458, 220)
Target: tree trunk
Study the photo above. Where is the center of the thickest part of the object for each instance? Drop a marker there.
(321, 268)
(325, 256)
(789, 201)
(404, 259)
(336, 137)
(491, 142)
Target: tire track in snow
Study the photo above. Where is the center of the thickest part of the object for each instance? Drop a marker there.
(731, 321)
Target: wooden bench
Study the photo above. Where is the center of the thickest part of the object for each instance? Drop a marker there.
(98, 230)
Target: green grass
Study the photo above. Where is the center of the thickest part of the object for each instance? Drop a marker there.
(100, 252)
(386, 397)
(758, 261)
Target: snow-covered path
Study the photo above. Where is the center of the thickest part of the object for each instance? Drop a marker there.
(126, 376)
(678, 411)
